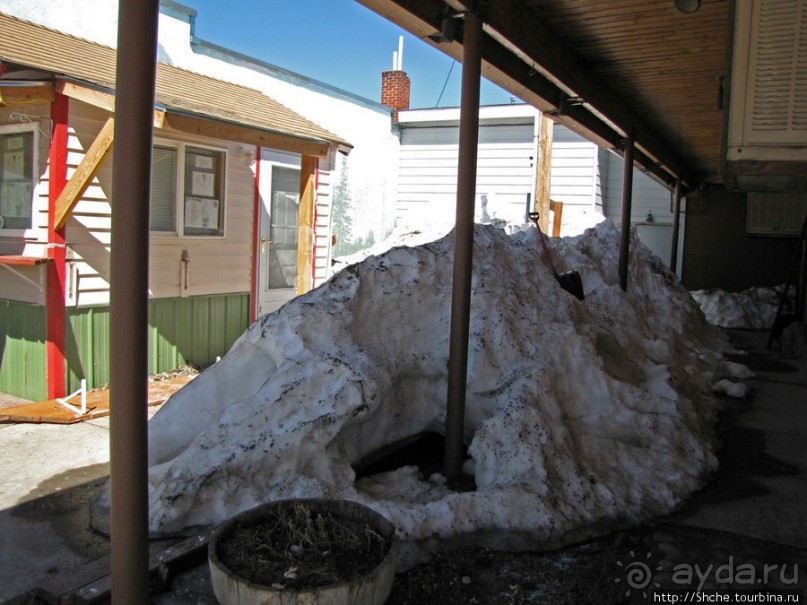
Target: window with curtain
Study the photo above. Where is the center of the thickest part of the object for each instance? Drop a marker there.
(187, 190)
(16, 178)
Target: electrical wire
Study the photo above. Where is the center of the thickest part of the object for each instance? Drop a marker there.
(453, 61)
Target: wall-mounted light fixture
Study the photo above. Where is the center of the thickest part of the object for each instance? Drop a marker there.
(687, 6)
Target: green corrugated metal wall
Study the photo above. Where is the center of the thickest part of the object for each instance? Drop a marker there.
(182, 331)
(22, 350)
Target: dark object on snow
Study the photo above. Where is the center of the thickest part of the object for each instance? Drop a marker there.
(568, 280)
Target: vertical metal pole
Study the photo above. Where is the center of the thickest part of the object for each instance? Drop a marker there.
(675, 226)
(463, 244)
(627, 198)
(131, 179)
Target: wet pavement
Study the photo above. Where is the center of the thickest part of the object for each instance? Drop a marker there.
(746, 532)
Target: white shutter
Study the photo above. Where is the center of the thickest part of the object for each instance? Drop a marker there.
(779, 70)
(163, 189)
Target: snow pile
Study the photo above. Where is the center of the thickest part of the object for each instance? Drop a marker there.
(580, 415)
(752, 309)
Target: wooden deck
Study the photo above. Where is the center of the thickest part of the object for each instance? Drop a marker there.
(51, 411)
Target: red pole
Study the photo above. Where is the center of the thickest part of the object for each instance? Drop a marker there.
(56, 272)
(131, 180)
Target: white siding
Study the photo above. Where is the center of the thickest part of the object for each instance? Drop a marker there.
(218, 265)
(648, 198)
(427, 178)
(648, 195)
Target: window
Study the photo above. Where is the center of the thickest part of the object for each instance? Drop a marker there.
(193, 204)
(16, 177)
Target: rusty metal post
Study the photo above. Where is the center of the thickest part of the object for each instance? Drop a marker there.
(627, 200)
(131, 180)
(463, 244)
(676, 225)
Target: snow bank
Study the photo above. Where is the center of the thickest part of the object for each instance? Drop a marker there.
(580, 415)
(752, 309)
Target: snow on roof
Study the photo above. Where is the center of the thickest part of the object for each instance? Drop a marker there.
(580, 415)
(177, 89)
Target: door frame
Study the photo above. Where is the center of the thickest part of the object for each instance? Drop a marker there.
(268, 299)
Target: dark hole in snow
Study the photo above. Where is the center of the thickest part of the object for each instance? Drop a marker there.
(424, 450)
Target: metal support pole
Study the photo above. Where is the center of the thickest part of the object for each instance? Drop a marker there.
(675, 226)
(131, 179)
(463, 244)
(627, 198)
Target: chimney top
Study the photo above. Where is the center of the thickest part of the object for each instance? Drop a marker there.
(395, 84)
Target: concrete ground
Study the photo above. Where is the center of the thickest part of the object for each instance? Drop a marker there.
(754, 512)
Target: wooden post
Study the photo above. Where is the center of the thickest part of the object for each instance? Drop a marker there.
(463, 245)
(305, 225)
(543, 171)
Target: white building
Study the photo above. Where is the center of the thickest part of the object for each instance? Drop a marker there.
(587, 179)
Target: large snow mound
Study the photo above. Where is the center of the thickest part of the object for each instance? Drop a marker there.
(580, 415)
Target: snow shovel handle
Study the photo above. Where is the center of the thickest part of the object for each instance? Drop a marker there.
(549, 259)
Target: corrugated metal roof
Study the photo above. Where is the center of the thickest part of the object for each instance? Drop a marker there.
(44, 49)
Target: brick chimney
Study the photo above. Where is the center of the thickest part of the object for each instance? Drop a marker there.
(395, 84)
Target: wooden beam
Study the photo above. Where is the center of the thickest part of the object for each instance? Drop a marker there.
(543, 172)
(527, 37)
(557, 218)
(508, 70)
(25, 95)
(93, 160)
(244, 134)
(305, 225)
(98, 98)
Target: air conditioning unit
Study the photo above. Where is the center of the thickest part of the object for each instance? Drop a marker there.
(766, 139)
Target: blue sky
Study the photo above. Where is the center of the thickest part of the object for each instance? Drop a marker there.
(339, 42)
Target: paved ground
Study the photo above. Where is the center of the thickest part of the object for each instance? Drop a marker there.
(751, 518)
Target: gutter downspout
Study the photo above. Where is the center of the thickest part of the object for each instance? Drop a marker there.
(256, 236)
(57, 269)
(463, 244)
(131, 179)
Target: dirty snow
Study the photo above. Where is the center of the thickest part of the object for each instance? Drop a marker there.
(752, 309)
(580, 415)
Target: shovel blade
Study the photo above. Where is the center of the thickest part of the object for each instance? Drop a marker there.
(572, 283)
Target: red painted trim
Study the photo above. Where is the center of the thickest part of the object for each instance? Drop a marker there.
(2, 69)
(256, 235)
(55, 297)
(16, 259)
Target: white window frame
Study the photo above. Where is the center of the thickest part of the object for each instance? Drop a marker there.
(179, 232)
(32, 128)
